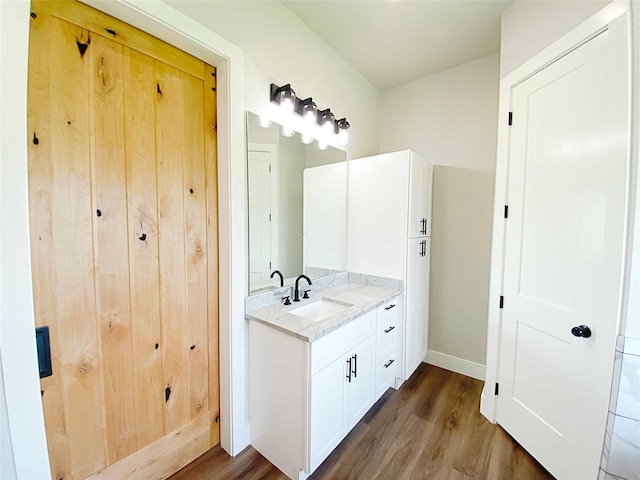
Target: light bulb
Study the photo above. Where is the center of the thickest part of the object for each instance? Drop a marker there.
(287, 131)
(343, 136)
(306, 138)
(287, 105)
(310, 117)
(264, 121)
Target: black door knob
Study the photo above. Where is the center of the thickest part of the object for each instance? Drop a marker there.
(581, 331)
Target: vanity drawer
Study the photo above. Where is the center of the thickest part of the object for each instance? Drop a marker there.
(385, 376)
(330, 347)
(386, 328)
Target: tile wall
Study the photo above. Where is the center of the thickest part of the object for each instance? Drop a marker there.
(621, 451)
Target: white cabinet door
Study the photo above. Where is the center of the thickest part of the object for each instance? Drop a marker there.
(427, 193)
(422, 338)
(361, 384)
(417, 298)
(324, 216)
(327, 410)
(377, 214)
(419, 197)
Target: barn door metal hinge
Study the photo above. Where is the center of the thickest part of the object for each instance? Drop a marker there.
(501, 301)
(510, 118)
(497, 388)
(506, 211)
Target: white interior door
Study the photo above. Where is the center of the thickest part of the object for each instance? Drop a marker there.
(563, 259)
(262, 214)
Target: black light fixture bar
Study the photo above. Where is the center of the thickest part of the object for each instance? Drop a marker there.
(277, 93)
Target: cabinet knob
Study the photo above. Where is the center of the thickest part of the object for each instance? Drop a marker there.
(581, 331)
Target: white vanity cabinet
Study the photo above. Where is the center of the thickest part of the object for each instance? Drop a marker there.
(389, 229)
(305, 397)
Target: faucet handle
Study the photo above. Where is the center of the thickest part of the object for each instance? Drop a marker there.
(287, 300)
(306, 293)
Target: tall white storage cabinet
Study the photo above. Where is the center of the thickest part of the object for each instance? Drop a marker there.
(389, 234)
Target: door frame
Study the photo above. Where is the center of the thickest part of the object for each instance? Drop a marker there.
(18, 359)
(618, 12)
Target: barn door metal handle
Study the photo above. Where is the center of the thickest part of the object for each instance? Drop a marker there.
(581, 331)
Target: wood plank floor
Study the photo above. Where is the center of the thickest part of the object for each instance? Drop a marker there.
(429, 429)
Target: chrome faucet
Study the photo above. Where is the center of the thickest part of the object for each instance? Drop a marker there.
(296, 292)
(281, 277)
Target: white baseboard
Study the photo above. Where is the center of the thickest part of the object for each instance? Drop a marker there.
(456, 364)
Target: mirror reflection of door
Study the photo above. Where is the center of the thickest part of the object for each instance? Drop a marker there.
(263, 220)
(280, 194)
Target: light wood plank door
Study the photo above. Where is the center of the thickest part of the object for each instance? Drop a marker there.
(123, 218)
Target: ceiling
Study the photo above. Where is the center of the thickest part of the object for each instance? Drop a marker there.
(393, 42)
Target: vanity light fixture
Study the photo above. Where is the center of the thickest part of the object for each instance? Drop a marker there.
(312, 123)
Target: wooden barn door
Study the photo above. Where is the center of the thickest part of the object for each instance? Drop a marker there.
(123, 219)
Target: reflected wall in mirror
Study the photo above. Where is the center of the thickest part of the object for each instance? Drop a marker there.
(297, 207)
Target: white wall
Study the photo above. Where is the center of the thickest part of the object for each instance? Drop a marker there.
(279, 48)
(450, 119)
(530, 26)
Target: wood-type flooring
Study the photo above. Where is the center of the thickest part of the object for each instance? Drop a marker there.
(429, 429)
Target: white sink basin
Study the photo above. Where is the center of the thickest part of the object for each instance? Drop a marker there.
(319, 309)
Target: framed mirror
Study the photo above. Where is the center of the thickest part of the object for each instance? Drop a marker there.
(297, 207)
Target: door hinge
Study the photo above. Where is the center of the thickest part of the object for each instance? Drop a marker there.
(269, 217)
(506, 211)
(497, 389)
(510, 118)
(501, 301)
(269, 168)
(269, 265)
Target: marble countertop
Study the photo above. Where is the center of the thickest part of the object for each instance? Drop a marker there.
(361, 298)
